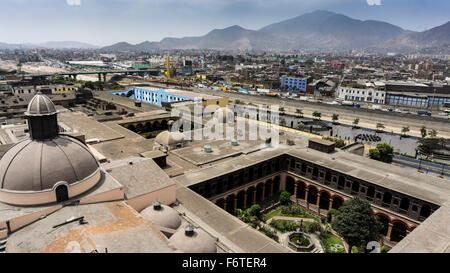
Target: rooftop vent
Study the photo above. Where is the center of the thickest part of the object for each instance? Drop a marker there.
(189, 230)
(207, 148)
(321, 145)
(156, 205)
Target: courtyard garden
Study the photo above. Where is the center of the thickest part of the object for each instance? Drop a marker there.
(293, 226)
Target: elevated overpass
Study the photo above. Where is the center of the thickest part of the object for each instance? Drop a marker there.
(100, 73)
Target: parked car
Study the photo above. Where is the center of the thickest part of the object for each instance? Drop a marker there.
(423, 113)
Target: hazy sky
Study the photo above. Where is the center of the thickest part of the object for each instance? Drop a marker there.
(104, 22)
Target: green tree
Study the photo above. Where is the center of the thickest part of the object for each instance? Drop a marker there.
(254, 210)
(281, 109)
(335, 117)
(299, 111)
(423, 131)
(355, 122)
(432, 133)
(383, 152)
(282, 122)
(356, 223)
(405, 130)
(285, 198)
(317, 114)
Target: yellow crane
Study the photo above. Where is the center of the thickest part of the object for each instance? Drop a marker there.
(167, 68)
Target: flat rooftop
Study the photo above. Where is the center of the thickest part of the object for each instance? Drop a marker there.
(123, 102)
(138, 175)
(221, 149)
(81, 123)
(432, 189)
(212, 171)
(113, 227)
(190, 94)
(431, 236)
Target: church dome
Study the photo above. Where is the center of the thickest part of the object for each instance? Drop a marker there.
(40, 105)
(191, 240)
(162, 215)
(169, 138)
(48, 167)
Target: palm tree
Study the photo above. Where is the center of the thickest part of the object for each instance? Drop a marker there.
(355, 122)
(335, 117)
(432, 133)
(317, 114)
(405, 130)
(423, 131)
(380, 126)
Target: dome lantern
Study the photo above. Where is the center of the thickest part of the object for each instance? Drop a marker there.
(41, 115)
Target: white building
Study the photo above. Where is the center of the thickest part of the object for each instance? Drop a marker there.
(364, 93)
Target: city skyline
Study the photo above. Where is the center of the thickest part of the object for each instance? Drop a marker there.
(135, 21)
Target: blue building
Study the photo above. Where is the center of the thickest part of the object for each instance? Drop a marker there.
(155, 96)
(158, 96)
(293, 84)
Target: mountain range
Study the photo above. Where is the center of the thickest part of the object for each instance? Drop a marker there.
(318, 30)
(52, 44)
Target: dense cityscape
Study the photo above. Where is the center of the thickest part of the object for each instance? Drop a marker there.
(229, 143)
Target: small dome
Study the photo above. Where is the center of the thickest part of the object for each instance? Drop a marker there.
(40, 105)
(38, 166)
(190, 240)
(169, 138)
(224, 115)
(162, 215)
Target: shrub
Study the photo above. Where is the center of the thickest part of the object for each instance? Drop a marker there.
(355, 249)
(384, 249)
(330, 214)
(339, 142)
(285, 198)
(313, 227)
(284, 225)
(291, 210)
(254, 210)
(269, 233)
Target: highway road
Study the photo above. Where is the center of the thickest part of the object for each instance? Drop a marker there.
(425, 166)
(394, 122)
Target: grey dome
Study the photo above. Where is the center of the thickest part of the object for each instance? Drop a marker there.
(40, 105)
(169, 138)
(163, 216)
(35, 166)
(197, 242)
